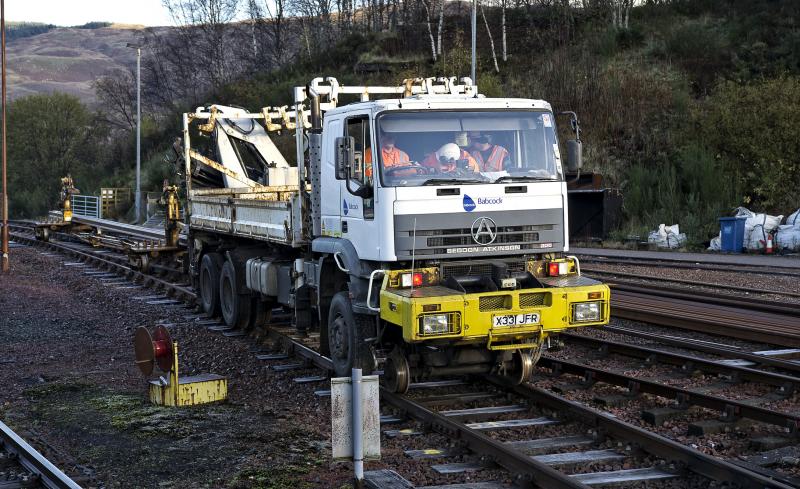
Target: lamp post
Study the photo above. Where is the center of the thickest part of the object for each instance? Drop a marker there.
(5, 182)
(473, 72)
(137, 198)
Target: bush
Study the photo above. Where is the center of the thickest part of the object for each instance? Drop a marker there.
(50, 136)
(702, 49)
(630, 38)
(691, 189)
(753, 129)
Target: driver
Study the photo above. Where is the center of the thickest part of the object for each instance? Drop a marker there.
(449, 158)
(391, 155)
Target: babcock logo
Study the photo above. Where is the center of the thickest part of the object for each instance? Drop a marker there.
(345, 207)
(469, 204)
(490, 201)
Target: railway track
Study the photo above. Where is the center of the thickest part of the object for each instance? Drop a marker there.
(650, 278)
(21, 466)
(758, 358)
(488, 446)
(694, 261)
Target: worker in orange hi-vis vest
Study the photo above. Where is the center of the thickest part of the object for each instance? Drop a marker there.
(490, 157)
(391, 155)
(449, 158)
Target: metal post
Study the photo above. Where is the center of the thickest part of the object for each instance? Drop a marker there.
(138, 197)
(473, 72)
(5, 177)
(358, 435)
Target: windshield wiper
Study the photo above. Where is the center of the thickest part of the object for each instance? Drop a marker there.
(452, 181)
(529, 178)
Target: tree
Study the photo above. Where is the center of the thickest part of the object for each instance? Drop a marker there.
(50, 136)
(117, 94)
(205, 47)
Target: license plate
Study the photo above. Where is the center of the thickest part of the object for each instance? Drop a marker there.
(510, 320)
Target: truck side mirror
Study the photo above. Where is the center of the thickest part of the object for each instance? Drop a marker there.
(574, 155)
(345, 157)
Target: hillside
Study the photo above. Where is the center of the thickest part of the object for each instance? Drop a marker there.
(68, 59)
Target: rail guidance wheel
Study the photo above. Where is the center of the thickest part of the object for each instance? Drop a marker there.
(522, 367)
(346, 337)
(396, 373)
(235, 306)
(210, 268)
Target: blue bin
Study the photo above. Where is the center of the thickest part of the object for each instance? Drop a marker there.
(732, 232)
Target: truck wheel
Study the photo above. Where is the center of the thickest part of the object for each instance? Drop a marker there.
(210, 267)
(235, 306)
(346, 338)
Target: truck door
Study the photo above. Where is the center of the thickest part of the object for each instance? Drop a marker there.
(357, 213)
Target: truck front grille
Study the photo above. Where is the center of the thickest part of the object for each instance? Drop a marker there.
(479, 268)
(463, 237)
(527, 301)
(494, 303)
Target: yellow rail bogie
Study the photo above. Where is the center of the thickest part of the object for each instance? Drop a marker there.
(405, 307)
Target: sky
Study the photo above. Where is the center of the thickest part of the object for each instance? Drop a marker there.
(77, 12)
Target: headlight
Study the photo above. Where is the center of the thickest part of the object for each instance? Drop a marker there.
(435, 324)
(584, 312)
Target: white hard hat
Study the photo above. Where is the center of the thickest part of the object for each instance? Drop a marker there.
(449, 152)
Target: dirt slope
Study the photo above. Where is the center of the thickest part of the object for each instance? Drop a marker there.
(69, 59)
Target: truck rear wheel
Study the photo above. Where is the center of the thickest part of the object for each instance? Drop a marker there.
(235, 306)
(210, 267)
(346, 338)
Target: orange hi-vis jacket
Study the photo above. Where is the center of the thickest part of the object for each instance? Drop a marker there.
(432, 162)
(495, 160)
(390, 158)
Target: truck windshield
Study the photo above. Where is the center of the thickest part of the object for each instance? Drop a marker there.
(457, 147)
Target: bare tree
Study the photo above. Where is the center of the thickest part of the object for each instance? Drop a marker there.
(428, 20)
(503, 28)
(439, 30)
(620, 13)
(117, 93)
(205, 35)
(268, 17)
(491, 39)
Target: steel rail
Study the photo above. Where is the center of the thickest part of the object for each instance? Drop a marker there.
(48, 474)
(684, 397)
(708, 348)
(653, 443)
(700, 283)
(170, 289)
(694, 315)
(524, 467)
(688, 362)
(121, 228)
(747, 303)
(783, 271)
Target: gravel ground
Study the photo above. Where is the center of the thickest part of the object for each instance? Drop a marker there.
(72, 386)
(70, 382)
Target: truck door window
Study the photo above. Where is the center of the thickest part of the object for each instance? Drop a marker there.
(358, 129)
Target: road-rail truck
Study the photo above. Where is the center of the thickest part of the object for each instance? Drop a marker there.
(400, 258)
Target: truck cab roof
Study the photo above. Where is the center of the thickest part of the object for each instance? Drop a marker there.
(445, 102)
